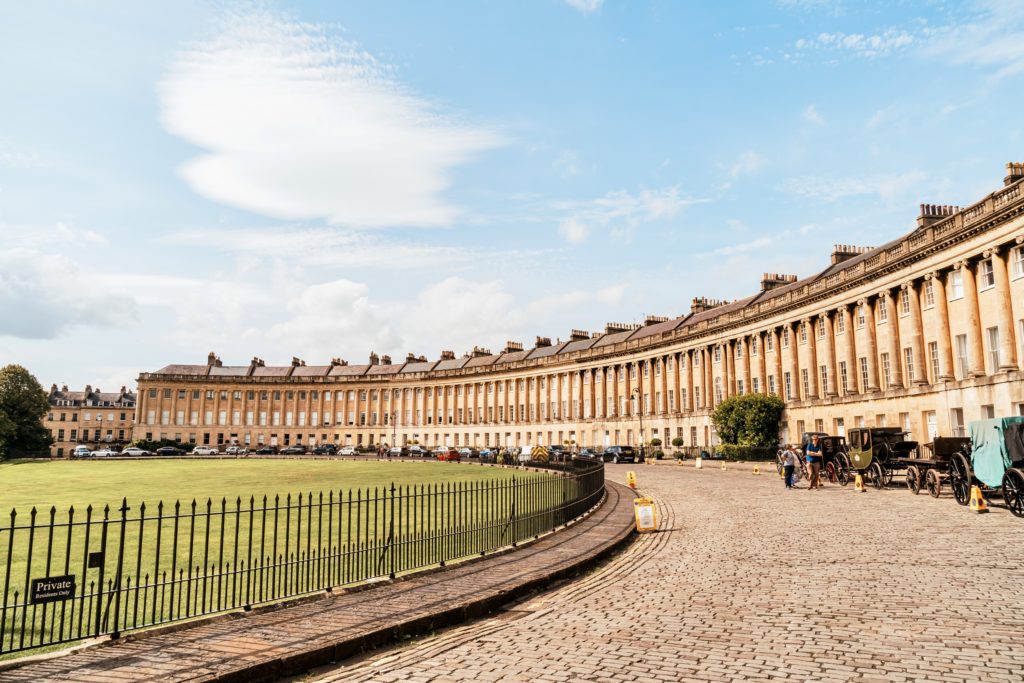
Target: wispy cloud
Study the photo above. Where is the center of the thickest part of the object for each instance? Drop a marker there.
(748, 162)
(622, 212)
(299, 124)
(812, 116)
(832, 189)
(859, 44)
(585, 6)
(993, 37)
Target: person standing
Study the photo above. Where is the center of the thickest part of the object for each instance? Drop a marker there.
(812, 452)
(789, 465)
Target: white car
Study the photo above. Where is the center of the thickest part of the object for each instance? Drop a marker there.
(81, 452)
(236, 450)
(205, 450)
(135, 451)
(347, 450)
(104, 453)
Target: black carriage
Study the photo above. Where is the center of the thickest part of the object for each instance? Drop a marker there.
(930, 473)
(835, 461)
(879, 453)
(993, 461)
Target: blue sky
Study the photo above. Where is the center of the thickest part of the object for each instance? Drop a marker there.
(323, 179)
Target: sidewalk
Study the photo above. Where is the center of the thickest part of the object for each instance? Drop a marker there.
(274, 642)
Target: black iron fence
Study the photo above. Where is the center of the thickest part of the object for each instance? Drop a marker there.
(72, 575)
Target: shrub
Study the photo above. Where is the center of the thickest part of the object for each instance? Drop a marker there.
(749, 420)
(678, 442)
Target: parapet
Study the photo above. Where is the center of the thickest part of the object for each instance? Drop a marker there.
(1014, 172)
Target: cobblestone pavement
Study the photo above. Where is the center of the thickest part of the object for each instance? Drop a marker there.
(748, 581)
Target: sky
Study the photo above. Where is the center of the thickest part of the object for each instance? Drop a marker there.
(325, 179)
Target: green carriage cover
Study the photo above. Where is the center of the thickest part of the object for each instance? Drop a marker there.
(989, 457)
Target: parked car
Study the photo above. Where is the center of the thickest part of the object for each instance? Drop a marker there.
(135, 451)
(205, 450)
(589, 453)
(446, 454)
(169, 450)
(620, 454)
(81, 452)
(469, 453)
(294, 450)
(103, 453)
(558, 454)
(417, 451)
(325, 449)
(398, 452)
(236, 450)
(347, 450)
(266, 450)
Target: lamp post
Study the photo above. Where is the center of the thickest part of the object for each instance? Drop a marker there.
(638, 403)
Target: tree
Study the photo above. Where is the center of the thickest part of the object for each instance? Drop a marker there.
(749, 420)
(678, 442)
(23, 403)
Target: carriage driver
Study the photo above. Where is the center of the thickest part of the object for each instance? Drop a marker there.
(812, 452)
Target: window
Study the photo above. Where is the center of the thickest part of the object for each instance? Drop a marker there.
(803, 333)
(821, 327)
(739, 350)
(769, 342)
(718, 353)
(739, 387)
(771, 384)
(905, 301)
(987, 276)
(956, 420)
(718, 390)
(961, 355)
(788, 380)
(929, 294)
(956, 285)
(905, 421)
(805, 382)
(993, 349)
(883, 310)
(843, 377)
(861, 316)
(785, 337)
(886, 371)
(908, 364)
(988, 412)
(756, 386)
(753, 345)
(824, 379)
(841, 324)
(1017, 259)
(933, 357)
(863, 373)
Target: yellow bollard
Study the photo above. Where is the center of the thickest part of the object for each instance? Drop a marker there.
(698, 463)
(757, 469)
(631, 479)
(858, 483)
(977, 503)
(723, 467)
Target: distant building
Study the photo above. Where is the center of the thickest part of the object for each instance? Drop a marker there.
(91, 418)
(925, 333)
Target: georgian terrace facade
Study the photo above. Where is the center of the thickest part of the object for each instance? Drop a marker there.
(925, 332)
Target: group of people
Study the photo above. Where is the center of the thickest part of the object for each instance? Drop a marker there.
(811, 454)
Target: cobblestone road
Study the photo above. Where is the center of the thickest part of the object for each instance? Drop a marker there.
(748, 581)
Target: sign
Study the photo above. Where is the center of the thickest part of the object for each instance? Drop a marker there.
(53, 589)
(646, 517)
(631, 479)
(540, 454)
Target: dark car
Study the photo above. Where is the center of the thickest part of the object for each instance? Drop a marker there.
(293, 450)
(169, 450)
(558, 454)
(620, 454)
(398, 452)
(267, 450)
(589, 453)
(419, 452)
(325, 449)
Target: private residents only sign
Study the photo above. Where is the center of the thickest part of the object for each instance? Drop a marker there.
(53, 589)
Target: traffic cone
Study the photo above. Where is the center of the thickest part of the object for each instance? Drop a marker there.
(977, 503)
(858, 483)
(757, 469)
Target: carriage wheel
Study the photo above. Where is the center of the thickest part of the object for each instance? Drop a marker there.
(829, 472)
(934, 483)
(913, 479)
(843, 469)
(1013, 491)
(960, 478)
(886, 476)
(876, 475)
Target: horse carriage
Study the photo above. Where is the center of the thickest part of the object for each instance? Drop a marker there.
(835, 466)
(880, 452)
(930, 473)
(993, 461)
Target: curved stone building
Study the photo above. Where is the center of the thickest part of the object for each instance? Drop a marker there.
(925, 332)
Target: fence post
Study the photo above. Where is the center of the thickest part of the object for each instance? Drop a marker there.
(103, 565)
(120, 563)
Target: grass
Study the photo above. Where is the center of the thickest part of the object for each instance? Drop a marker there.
(232, 553)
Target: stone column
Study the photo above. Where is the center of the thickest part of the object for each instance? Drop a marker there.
(729, 386)
(663, 404)
(812, 358)
(762, 362)
(894, 347)
(974, 343)
(677, 372)
(689, 356)
(794, 357)
(829, 356)
(852, 369)
(945, 338)
(745, 345)
(1004, 313)
(615, 391)
(777, 346)
(916, 334)
(870, 345)
(708, 382)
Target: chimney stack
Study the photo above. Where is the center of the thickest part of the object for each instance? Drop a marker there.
(334, 361)
(654, 320)
(374, 358)
(933, 213)
(447, 355)
(1014, 172)
(771, 281)
(512, 347)
(385, 360)
(478, 351)
(88, 388)
(543, 341)
(579, 335)
(701, 304)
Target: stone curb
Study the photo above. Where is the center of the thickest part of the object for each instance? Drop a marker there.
(532, 566)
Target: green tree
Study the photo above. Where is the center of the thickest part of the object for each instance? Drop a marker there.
(23, 403)
(678, 442)
(749, 420)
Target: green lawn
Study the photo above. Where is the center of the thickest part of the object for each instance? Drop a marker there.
(364, 519)
(28, 483)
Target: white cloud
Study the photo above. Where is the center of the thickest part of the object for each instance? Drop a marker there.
(573, 232)
(298, 124)
(858, 44)
(585, 6)
(567, 164)
(993, 37)
(812, 116)
(748, 162)
(44, 295)
(832, 189)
